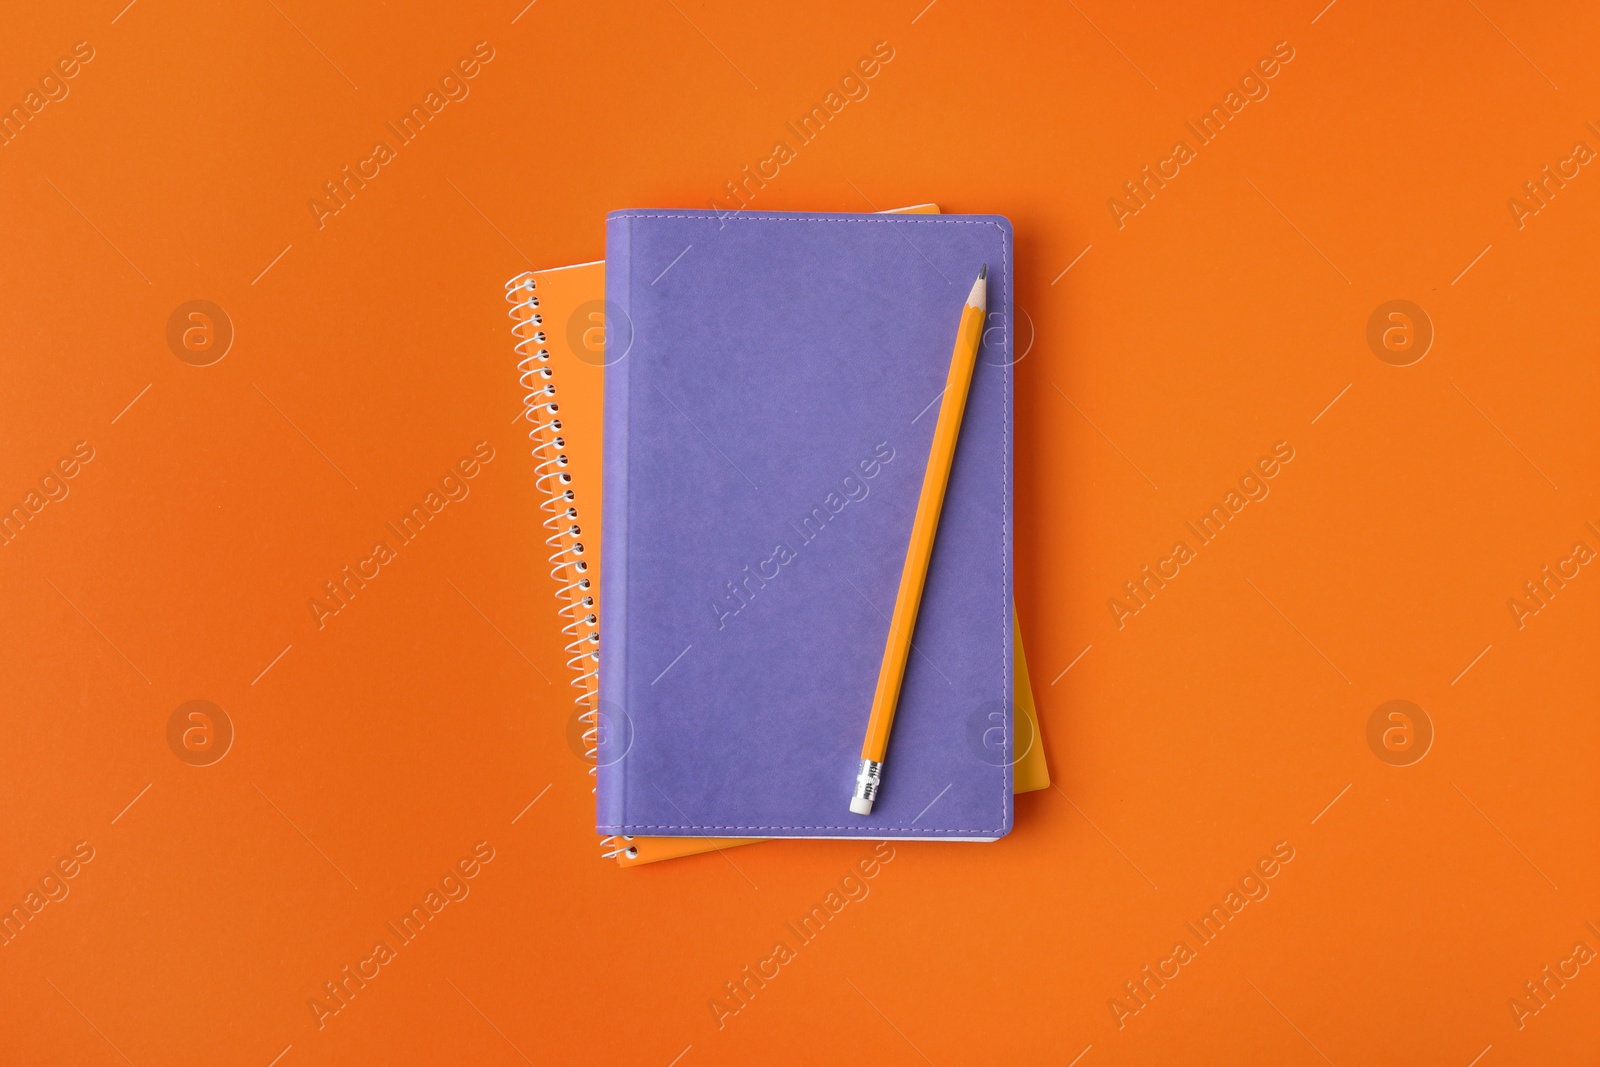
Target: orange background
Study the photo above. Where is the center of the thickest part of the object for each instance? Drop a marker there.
(372, 353)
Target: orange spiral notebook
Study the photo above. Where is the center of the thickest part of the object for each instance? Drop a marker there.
(565, 333)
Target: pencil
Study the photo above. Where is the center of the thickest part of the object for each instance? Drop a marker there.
(869, 778)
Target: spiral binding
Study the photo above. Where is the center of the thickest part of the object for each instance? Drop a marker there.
(567, 567)
(613, 848)
(575, 590)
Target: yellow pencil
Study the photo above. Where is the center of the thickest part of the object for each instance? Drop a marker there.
(869, 778)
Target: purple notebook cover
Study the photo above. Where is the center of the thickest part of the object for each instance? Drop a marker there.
(771, 393)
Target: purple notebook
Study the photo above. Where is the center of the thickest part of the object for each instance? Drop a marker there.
(772, 386)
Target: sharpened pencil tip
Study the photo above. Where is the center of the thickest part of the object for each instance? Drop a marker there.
(978, 295)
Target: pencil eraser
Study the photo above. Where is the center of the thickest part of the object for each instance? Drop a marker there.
(860, 807)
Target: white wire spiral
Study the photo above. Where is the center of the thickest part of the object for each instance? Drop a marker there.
(575, 590)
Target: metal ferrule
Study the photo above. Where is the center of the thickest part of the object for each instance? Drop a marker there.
(869, 780)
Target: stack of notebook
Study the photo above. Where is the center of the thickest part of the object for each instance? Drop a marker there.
(749, 399)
